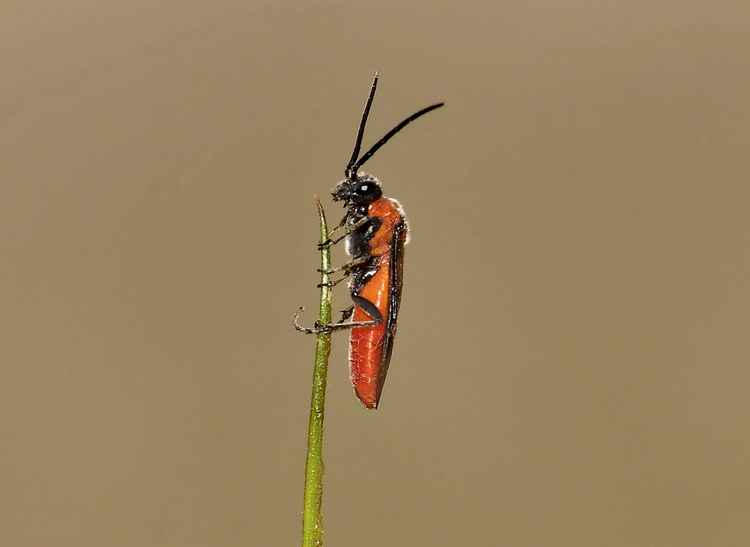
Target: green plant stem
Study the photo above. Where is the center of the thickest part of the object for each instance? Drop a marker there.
(312, 516)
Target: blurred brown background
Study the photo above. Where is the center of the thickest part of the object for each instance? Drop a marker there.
(572, 362)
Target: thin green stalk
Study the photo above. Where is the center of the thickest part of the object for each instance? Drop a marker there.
(312, 516)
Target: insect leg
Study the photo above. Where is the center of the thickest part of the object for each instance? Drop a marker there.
(338, 226)
(347, 268)
(346, 314)
(340, 325)
(334, 283)
(369, 308)
(349, 230)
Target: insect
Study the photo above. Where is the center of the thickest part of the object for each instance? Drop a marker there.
(376, 231)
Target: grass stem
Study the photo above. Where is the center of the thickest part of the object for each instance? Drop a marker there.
(312, 516)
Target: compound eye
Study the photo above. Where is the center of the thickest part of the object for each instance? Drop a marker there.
(369, 191)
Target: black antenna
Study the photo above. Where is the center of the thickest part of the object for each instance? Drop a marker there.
(389, 135)
(351, 169)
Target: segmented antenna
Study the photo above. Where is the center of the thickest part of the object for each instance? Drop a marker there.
(354, 164)
(351, 170)
(391, 133)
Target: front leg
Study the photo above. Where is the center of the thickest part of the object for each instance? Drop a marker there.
(351, 228)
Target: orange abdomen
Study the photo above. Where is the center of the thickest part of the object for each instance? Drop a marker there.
(367, 344)
(370, 347)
